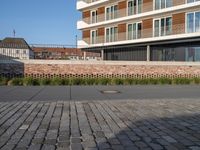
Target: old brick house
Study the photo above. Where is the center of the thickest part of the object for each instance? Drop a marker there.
(60, 52)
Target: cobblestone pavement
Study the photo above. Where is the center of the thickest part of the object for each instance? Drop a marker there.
(92, 125)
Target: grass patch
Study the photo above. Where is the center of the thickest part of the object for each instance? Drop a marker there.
(28, 81)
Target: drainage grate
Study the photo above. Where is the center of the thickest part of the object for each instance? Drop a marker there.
(110, 92)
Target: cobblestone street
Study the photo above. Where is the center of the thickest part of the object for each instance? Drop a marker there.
(92, 125)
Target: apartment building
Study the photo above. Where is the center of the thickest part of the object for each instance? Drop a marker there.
(141, 30)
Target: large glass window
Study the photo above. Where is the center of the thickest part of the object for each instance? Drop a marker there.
(111, 12)
(134, 7)
(197, 21)
(111, 34)
(191, 1)
(162, 26)
(161, 4)
(193, 22)
(93, 36)
(134, 31)
(94, 16)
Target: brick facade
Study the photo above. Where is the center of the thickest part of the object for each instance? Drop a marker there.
(178, 23)
(100, 69)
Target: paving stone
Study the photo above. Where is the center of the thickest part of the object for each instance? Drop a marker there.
(92, 125)
(169, 139)
(76, 146)
(156, 146)
(75, 140)
(194, 147)
(48, 147)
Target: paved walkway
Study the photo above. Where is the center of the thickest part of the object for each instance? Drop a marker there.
(92, 125)
(54, 93)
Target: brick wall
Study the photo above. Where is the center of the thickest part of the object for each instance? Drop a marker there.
(100, 69)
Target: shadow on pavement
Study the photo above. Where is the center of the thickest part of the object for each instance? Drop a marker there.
(180, 132)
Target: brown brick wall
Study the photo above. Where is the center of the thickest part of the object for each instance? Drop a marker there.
(86, 33)
(147, 28)
(101, 14)
(101, 10)
(178, 2)
(121, 27)
(147, 5)
(122, 31)
(122, 6)
(100, 70)
(178, 21)
(101, 31)
(86, 36)
(86, 14)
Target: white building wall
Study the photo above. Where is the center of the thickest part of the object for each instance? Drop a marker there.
(15, 53)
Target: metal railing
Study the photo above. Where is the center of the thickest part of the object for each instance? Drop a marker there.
(43, 51)
(140, 34)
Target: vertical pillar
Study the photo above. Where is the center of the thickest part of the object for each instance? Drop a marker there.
(84, 55)
(148, 52)
(102, 54)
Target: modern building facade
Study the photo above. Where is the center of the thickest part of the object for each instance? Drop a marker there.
(141, 30)
(15, 48)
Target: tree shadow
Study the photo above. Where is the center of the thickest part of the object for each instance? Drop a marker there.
(131, 132)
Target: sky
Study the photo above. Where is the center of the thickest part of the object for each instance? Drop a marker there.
(40, 21)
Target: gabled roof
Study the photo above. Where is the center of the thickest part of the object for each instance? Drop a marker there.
(18, 43)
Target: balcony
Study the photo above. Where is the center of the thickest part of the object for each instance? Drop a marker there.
(122, 15)
(142, 36)
(83, 4)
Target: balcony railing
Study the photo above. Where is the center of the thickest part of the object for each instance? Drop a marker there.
(118, 14)
(141, 34)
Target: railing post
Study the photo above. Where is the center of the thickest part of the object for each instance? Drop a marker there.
(102, 54)
(148, 52)
(84, 55)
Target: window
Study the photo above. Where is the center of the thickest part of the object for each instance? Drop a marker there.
(193, 22)
(17, 51)
(162, 26)
(134, 7)
(94, 16)
(111, 12)
(24, 51)
(111, 34)
(134, 31)
(161, 4)
(93, 36)
(191, 1)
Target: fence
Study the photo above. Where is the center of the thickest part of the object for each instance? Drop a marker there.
(44, 51)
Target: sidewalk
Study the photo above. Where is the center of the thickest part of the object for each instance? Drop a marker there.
(92, 125)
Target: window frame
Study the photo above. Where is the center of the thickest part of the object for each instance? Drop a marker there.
(137, 7)
(160, 25)
(96, 36)
(96, 16)
(109, 35)
(127, 32)
(114, 17)
(194, 19)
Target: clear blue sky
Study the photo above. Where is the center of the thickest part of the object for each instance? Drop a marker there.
(40, 21)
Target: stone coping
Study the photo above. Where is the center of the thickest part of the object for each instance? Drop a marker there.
(82, 62)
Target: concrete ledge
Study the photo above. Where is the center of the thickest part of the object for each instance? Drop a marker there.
(68, 62)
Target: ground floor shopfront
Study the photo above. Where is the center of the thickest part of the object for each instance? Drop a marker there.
(179, 50)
